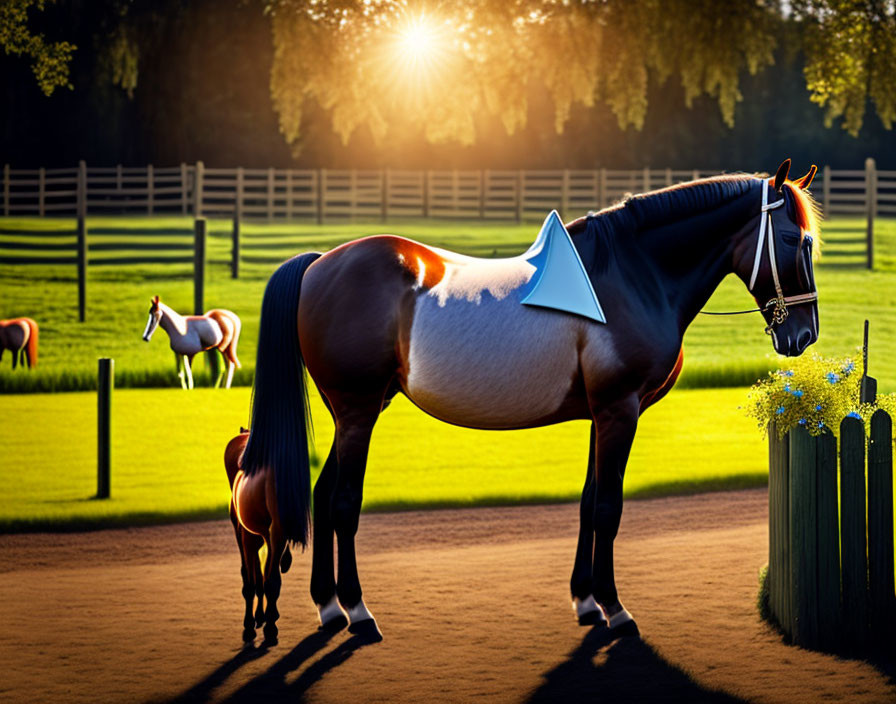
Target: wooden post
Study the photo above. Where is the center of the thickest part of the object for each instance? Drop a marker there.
(882, 591)
(270, 194)
(826, 191)
(520, 186)
(870, 207)
(668, 176)
(602, 189)
(199, 266)
(105, 383)
(238, 196)
(41, 190)
(82, 189)
(646, 179)
(118, 177)
(198, 177)
(289, 194)
(353, 193)
(6, 189)
(321, 187)
(427, 186)
(150, 188)
(867, 385)
(854, 568)
(695, 175)
(385, 195)
(828, 541)
(82, 268)
(184, 188)
(483, 184)
(564, 194)
(804, 538)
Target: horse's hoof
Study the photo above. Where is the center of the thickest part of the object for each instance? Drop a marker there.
(334, 625)
(618, 616)
(270, 634)
(259, 621)
(588, 611)
(248, 635)
(366, 629)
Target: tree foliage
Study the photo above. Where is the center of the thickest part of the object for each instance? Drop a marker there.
(850, 48)
(49, 60)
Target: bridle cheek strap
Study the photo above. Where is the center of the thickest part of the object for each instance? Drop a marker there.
(780, 302)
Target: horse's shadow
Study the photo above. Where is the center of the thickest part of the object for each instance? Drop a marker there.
(271, 685)
(617, 666)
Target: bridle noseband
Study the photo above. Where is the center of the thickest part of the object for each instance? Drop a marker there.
(779, 304)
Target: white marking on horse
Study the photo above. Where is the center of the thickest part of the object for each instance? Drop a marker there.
(587, 606)
(421, 273)
(331, 610)
(359, 612)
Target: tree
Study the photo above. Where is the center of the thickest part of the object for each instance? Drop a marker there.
(49, 60)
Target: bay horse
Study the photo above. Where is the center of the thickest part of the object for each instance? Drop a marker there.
(253, 512)
(191, 334)
(384, 314)
(19, 335)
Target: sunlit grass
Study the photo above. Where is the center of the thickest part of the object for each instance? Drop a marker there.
(719, 351)
(167, 456)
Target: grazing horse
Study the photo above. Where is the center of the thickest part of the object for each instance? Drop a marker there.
(253, 512)
(189, 335)
(385, 314)
(20, 336)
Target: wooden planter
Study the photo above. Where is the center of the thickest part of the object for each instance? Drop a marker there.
(830, 575)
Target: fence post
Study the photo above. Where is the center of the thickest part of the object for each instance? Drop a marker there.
(235, 248)
(870, 207)
(82, 268)
(353, 194)
(804, 538)
(198, 177)
(150, 188)
(385, 195)
(668, 176)
(82, 188)
(105, 383)
(199, 266)
(646, 179)
(854, 564)
(270, 194)
(321, 185)
(564, 194)
(868, 384)
(695, 175)
(520, 185)
(880, 524)
(602, 189)
(41, 189)
(828, 541)
(118, 177)
(826, 191)
(184, 188)
(6, 189)
(483, 184)
(289, 195)
(427, 186)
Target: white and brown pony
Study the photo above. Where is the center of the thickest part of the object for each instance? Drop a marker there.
(191, 334)
(386, 315)
(19, 335)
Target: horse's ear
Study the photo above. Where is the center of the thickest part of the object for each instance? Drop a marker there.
(781, 176)
(243, 430)
(803, 183)
(155, 299)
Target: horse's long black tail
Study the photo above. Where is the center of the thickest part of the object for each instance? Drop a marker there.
(281, 423)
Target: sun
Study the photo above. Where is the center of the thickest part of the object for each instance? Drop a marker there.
(418, 41)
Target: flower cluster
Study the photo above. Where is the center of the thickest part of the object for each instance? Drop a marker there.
(813, 392)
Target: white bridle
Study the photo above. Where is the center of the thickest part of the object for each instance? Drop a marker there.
(780, 302)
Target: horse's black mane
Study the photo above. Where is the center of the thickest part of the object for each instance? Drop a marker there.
(665, 206)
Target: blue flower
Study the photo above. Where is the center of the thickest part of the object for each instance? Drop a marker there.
(780, 410)
(818, 407)
(787, 388)
(798, 393)
(853, 414)
(789, 372)
(821, 424)
(832, 377)
(849, 367)
(802, 421)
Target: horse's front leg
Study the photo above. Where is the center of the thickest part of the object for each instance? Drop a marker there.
(188, 368)
(580, 584)
(615, 424)
(179, 368)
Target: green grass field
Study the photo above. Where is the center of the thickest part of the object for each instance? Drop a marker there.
(719, 351)
(168, 445)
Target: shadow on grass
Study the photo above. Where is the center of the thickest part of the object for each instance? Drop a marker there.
(617, 666)
(271, 685)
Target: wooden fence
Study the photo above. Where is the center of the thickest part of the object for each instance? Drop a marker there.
(830, 575)
(323, 195)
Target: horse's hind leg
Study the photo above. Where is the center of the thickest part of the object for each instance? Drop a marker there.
(587, 610)
(323, 579)
(272, 583)
(188, 368)
(616, 425)
(355, 420)
(243, 541)
(230, 367)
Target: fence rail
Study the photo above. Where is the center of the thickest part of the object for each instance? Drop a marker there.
(324, 195)
(830, 576)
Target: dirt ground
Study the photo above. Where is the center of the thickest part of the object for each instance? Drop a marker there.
(473, 605)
